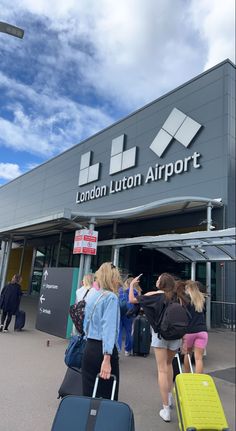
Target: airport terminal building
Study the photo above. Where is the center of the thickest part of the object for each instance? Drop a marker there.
(158, 186)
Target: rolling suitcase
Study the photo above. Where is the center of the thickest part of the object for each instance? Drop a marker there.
(93, 414)
(198, 403)
(71, 384)
(141, 336)
(19, 320)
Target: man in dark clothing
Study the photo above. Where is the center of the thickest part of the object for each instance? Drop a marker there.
(10, 301)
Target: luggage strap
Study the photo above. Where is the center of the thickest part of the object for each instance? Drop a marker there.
(92, 417)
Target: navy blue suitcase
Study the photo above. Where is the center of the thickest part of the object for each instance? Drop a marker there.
(141, 336)
(93, 414)
(19, 320)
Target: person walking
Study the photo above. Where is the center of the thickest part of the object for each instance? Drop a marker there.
(152, 303)
(197, 337)
(87, 283)
(101, 327)
(126, 323)
(10, 301)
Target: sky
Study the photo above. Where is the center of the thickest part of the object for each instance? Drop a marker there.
(85, 64)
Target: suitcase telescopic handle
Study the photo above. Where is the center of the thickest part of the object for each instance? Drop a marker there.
(179, 363)
(113, 386)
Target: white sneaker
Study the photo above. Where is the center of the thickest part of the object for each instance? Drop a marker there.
(127, 353)
(170, 400)
(165, 414)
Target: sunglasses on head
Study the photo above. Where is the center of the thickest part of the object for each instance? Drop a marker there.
(112, 266)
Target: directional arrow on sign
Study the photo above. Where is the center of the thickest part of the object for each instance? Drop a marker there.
(45, 274)
(42, 299)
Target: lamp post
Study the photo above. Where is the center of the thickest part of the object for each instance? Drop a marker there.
(11, 29)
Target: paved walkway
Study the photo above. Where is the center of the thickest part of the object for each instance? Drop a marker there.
(31, 372)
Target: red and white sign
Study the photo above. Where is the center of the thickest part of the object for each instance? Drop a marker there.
(85, 242)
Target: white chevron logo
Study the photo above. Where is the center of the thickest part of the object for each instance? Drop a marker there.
(88, 173)
(177, 126)
(120, 159)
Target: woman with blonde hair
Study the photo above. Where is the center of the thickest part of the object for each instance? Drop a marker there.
(101, 327)
(87, 283)
(197, 337)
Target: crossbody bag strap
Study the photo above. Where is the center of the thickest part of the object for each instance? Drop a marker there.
(89, 320)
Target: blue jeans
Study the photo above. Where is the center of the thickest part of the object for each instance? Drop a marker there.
(126, 324)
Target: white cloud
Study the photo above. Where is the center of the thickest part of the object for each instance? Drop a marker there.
(215, 22)
(52, 123)
(9, 171)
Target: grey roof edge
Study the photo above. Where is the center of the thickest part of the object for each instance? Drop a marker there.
(60, 215)
(67, 214)
(142, 208)
(226, 61)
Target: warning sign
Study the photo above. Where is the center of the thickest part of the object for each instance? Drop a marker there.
(85, 242)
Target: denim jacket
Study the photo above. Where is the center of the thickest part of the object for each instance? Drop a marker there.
(105, 321)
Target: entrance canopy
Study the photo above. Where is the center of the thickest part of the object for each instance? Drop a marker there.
(204, 246)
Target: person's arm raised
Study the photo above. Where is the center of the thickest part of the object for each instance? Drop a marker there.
(132, 298)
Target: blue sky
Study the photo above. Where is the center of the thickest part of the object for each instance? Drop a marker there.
(84, 64)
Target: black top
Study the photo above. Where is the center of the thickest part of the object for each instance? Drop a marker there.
(198, 320)
(10, 298)
(152, 306)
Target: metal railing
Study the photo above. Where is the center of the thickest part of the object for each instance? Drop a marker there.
(223, 315)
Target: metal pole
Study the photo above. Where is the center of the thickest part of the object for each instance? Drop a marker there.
(193, 271)
(11, 29)
(116, 252)
(87, 263)
(22, 256)
(208, 272)
(81, 270)
(3, 250)
(5, 265)
(59, 249)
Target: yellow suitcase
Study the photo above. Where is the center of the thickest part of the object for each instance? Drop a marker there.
(198, 403)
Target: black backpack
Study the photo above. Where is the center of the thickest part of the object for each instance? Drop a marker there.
(174, 321)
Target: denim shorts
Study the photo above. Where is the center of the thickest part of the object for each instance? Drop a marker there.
(165, 344)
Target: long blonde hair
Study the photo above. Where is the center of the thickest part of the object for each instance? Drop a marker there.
(196, 296)
(136, 285)
(88, 280)
(108, 277)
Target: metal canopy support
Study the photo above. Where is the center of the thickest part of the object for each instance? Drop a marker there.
(193, 271)
(116, 253)
(22, 256)
(208, 272)
(5, 263)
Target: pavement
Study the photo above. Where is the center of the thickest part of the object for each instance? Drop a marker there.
(31, 372)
